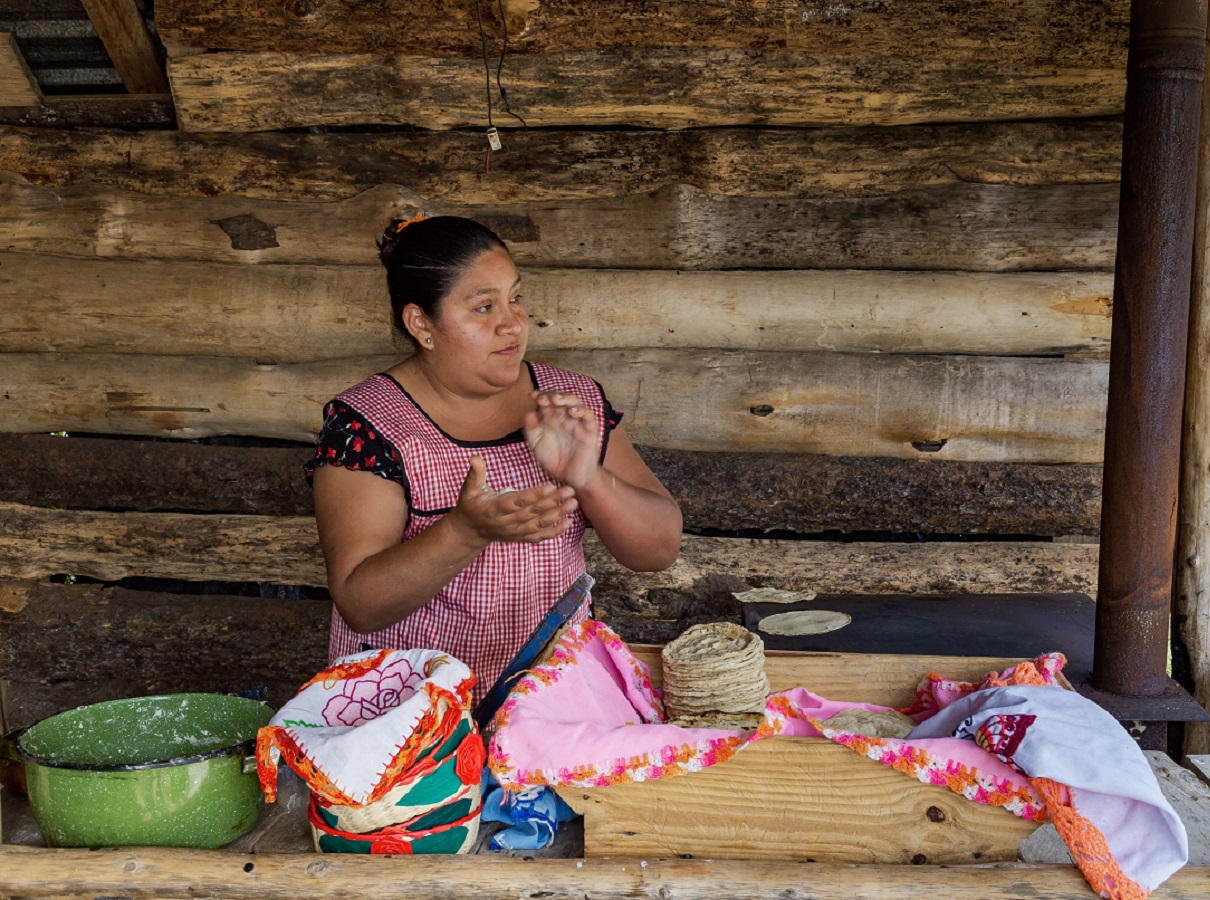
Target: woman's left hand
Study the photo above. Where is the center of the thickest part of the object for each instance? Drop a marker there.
(562, 435)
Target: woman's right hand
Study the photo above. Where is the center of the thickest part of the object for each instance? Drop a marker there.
(532, 515)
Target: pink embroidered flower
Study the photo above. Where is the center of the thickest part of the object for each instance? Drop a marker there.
(371, 695)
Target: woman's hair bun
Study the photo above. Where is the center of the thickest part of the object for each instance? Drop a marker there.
(390, 237)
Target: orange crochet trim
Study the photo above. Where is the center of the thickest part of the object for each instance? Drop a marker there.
(1023, 673)
(293, 756)
(333, 674)
(671, 760)
(439, 721)
(1087, 845)
(436, 724)
(929, 769)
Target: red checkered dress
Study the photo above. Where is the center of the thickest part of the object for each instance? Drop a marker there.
(484, 615)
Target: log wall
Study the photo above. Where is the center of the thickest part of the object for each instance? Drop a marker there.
(847, 270)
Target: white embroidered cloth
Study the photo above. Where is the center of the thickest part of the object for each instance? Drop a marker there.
(348, 730)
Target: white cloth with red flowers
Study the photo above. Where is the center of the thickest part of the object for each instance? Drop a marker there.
(350, 724)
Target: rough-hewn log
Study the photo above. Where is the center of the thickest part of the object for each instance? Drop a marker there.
(94, 111)
(968, 228)
(963, 227)
(656, 88)
(182, 874)
(153, 476)
(55, 633)
(302, 313)
(1191, 603)
(811, 494)
(1021, 32)
(541, 166)
(27, 702)
(839, 404)
(723, 491)
(36, 543)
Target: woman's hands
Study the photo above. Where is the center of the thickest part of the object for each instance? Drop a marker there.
(562, 435)
(533, 515)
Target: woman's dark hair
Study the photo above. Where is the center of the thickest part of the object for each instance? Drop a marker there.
(424, 257)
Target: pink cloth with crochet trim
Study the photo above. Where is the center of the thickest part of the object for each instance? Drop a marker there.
(591, 718)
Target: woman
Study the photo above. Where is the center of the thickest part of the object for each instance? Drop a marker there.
(452, 491)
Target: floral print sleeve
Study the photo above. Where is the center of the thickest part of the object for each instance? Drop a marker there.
(349, 441)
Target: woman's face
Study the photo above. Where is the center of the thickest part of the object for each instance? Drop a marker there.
(482, 330)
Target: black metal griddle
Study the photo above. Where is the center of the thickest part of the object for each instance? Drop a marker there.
(1004, 625)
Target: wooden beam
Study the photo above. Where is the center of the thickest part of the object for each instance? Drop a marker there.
(882, 679)
(804, 799)
(727, 491)
(1013, 32)
(18, 87)
(1191, 595)
(181, 874)
(650, 88)
(141, 111)
(38, 543)
(64, 645)
(541, 166)
(970, 227)
(156, 638)
(192, 308)
(126, 39)
(27, 702)
(1003, 409)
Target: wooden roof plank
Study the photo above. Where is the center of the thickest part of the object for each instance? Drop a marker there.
(129, 45)
(17, 84)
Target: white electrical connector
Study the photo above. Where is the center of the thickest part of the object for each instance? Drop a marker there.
(493, 138)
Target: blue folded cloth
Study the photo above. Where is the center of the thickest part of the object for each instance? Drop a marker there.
(534, 815)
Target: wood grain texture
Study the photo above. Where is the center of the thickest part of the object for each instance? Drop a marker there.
(802, 799)
(289, 313)
(543, 166)
(37, 543)
(1008, 409)
(968, 227)
(122, 30)
(1191, 594)
(181, 874)
(139, 642)
(728, 491)
(142, 111)
(650, 88)
(883, 679)
(18, 87)
(1016, 32)
(90, 643)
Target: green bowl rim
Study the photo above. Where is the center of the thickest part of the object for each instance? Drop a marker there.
(242, 748)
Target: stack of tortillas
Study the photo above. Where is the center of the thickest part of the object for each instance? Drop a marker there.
(714, 676)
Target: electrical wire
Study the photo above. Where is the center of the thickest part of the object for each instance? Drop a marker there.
(487, 69)
(500, 65)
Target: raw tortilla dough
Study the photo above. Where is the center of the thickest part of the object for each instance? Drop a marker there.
(773, 595)
(807, 621)
(856, 720)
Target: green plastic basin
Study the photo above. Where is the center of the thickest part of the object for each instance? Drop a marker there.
(173, 770)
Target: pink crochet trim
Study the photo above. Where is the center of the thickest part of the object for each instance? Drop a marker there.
(672, 760)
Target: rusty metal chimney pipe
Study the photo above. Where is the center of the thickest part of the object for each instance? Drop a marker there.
(1151, 288)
